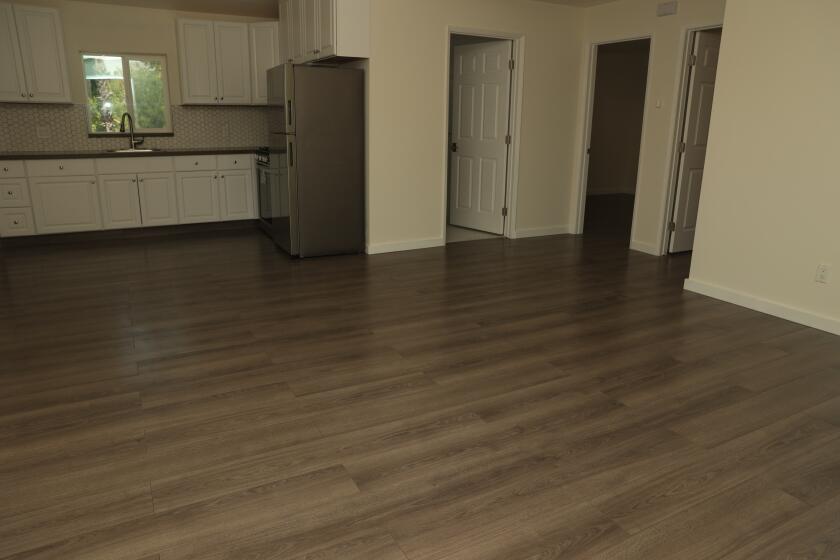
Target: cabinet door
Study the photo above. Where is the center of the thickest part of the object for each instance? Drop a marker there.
(265, 54)
(198, 197)
(158, 201)
(233, 65)
(120, 201)
(237, 195)
(285, 51)
(42, 53)
(297, 27)
(12, 84)
(326, 28)
(197, 55)
(311, 28)
(65, 204)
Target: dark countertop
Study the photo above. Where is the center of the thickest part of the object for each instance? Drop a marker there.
(105, 154)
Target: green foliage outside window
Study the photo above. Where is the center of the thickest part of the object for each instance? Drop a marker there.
(107, 78)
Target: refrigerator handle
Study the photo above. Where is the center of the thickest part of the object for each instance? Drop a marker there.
(291, 155)
(289, 111)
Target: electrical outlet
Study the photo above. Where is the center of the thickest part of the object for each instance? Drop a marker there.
(823, 274)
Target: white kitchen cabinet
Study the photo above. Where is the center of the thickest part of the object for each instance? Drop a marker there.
(33, 66)
(12, 81)
(198, 197)
(120, 201)
(14, 193)
(15, 222)
(158, 200)
(237, 195)
(265, 54)
(320, 29)
(233, 69)
(283, 25)
(215, 62)
(65, 204)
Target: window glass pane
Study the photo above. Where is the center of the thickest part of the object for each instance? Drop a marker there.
(147, 90)
(98, 67)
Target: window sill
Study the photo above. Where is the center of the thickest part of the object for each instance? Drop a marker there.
(126, 135)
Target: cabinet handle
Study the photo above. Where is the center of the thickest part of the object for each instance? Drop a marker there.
(134, 180)
(234, 163)
(7, 169)
(11, 193)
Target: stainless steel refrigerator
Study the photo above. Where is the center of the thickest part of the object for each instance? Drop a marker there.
(312, 182)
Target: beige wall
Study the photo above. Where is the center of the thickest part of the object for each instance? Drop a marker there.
(617, 113)
(408, 118)
(627, 19)
(771, 193)
(104, 28)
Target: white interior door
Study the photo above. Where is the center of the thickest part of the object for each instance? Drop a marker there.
(701, 92)
(481, 80)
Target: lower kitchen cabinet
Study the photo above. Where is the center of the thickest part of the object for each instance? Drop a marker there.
(120, 201)
(65, 204)
(198, 197)
(237, 195)
(15, 222)
(158, 201)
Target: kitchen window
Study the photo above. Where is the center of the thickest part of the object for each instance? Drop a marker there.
(134, 84)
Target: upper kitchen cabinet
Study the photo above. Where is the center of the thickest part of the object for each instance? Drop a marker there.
(265, 53)
(33, 66)
(215, 62)
(320, 29)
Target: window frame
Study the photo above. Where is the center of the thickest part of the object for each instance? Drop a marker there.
(129, 94)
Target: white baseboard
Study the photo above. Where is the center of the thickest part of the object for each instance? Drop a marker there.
(540, 232)
(645, 248)
(794, 314)
(411, 245)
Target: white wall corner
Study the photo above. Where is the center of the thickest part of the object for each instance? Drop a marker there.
(540, 232)
(410, 245)
(794, 314)
(645, 248)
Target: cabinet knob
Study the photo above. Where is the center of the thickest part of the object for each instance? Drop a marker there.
(93, 182)
(223, 98)
(15, 222)
(141, 180)
(6, 169)
(134, 180)
(223, 176)
(61, 167)
(11, 193)
(31, 95)
(22, 94)
(234, 163)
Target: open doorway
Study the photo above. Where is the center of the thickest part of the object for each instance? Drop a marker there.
(480, 118)
(617, 117)
(693, 133)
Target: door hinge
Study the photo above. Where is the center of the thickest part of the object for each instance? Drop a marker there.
(511, 64)
(504, 212)
(682, 147)
(672, 226)
(508, 139)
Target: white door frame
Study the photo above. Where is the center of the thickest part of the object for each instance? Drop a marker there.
(517, 79)
(679, 129)
(587, 130)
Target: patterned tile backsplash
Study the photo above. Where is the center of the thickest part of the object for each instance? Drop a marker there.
(50, 128)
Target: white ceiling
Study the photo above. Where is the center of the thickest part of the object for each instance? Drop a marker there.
(258, 8)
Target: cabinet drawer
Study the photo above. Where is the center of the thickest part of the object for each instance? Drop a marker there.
(114, 166)
(14, 193)
(12, 169)
(235, 161)
(60, 167)
(195, 163)
(16, 222)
